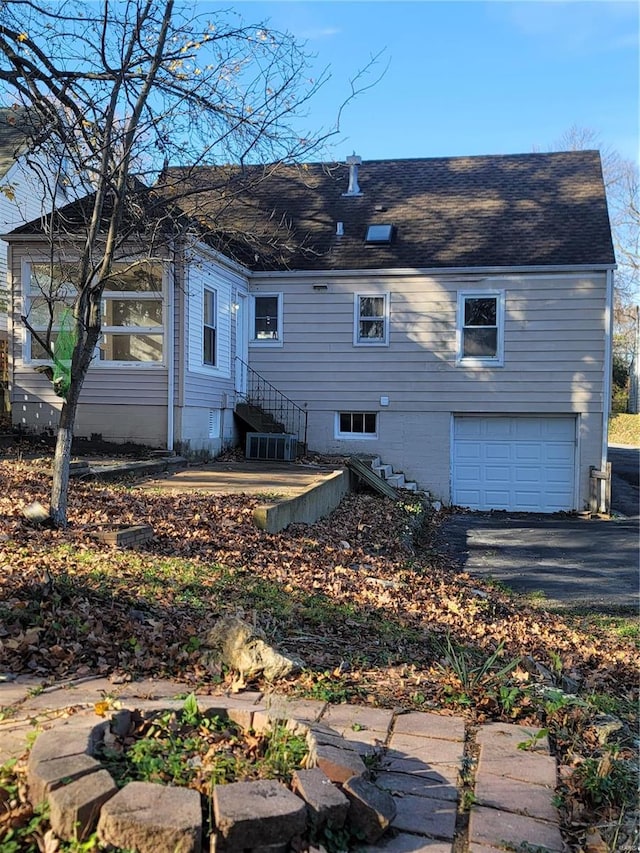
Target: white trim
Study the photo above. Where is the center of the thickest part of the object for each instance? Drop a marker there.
(606, 388)
(354, 436)
(496, 360)
(170, 354)
(207, 288)
(266, 342)
(144, 295)
(542, 270)
(373, 342)
(219, 258)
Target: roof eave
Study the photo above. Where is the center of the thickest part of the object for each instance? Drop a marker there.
(397, 271)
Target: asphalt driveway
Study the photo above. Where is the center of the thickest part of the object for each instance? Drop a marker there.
(570, 562)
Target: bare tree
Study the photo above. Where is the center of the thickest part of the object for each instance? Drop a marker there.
(623, 198)
(114, 91)
(621, 182)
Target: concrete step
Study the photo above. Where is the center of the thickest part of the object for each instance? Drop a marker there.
(411, 486)
(384, 471)
(376, 462)
(396, 480)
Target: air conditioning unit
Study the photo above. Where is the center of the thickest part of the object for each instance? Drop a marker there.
(271, 445)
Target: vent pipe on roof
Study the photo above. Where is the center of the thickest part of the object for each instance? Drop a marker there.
(353, 162)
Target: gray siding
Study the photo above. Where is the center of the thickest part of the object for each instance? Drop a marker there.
(106, 393)
(554, 351)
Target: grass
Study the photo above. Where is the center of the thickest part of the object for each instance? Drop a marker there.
(192, 749)
(624, 429)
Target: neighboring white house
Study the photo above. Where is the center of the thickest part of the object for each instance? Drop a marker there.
(450, 315)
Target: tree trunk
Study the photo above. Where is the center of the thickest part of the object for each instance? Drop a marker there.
(62, 458)
(61, 462)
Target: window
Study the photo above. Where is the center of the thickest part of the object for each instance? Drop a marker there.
(209, 327)
(267, 319)
(132, 321)
(379, 234)
(49, 292)
(480, 328)
(132, 310)
(371, 326)
(356, 425)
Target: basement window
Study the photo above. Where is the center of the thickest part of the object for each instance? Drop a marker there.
(356, 425)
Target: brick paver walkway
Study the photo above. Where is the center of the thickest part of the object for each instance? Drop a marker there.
(422, 757)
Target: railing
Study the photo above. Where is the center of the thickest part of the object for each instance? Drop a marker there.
(257, 391)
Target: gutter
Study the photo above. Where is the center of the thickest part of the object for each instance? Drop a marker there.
(396, 271)
(170, 343)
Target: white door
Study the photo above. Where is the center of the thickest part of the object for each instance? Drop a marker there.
(522, 464)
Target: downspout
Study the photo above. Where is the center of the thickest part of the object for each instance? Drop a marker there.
(170, 344)
(606, 390)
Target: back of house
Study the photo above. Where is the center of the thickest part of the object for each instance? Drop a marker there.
(450, 316)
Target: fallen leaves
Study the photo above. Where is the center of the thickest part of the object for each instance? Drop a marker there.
(349, 588)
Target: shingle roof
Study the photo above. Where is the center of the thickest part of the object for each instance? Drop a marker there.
(454, 212)
(489, 211)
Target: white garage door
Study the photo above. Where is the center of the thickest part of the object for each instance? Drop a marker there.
(520, 464)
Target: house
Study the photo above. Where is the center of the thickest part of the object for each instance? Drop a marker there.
(450, 315)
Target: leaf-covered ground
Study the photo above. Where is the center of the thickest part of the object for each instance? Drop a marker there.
(366, 597)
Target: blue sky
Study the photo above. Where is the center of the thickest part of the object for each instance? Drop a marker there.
(469, 77)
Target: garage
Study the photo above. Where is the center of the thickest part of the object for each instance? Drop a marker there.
(521, 464)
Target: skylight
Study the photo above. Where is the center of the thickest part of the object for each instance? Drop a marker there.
(379, 234)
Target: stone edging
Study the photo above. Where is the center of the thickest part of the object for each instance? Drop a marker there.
(63, 771)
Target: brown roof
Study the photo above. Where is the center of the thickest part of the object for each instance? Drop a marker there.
(453, 212)
(488, 211)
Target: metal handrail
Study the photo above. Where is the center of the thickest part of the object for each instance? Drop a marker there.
(261, 393)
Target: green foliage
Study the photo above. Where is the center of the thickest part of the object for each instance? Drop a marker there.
(22, 837)
(190, 749)
(606, 781)
(532, 741)
(476, 677)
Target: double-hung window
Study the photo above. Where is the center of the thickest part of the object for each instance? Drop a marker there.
(266, 320)
(371, 319)
(481, 328)
(209, 327)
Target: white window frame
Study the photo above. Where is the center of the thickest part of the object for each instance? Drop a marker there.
(266, 342)
(214, 325)
(354, 436)
(496, 360)
(118, 330)
(370, 342)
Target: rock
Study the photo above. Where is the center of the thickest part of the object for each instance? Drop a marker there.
(371, 810)
(240, 646)
(252, 814)
(147, 818)
(605, 726)
(75, 807)
(36, 513)
(534, 668)
(337, 763)
(437, 506)
(46, 775)
(327, 805)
